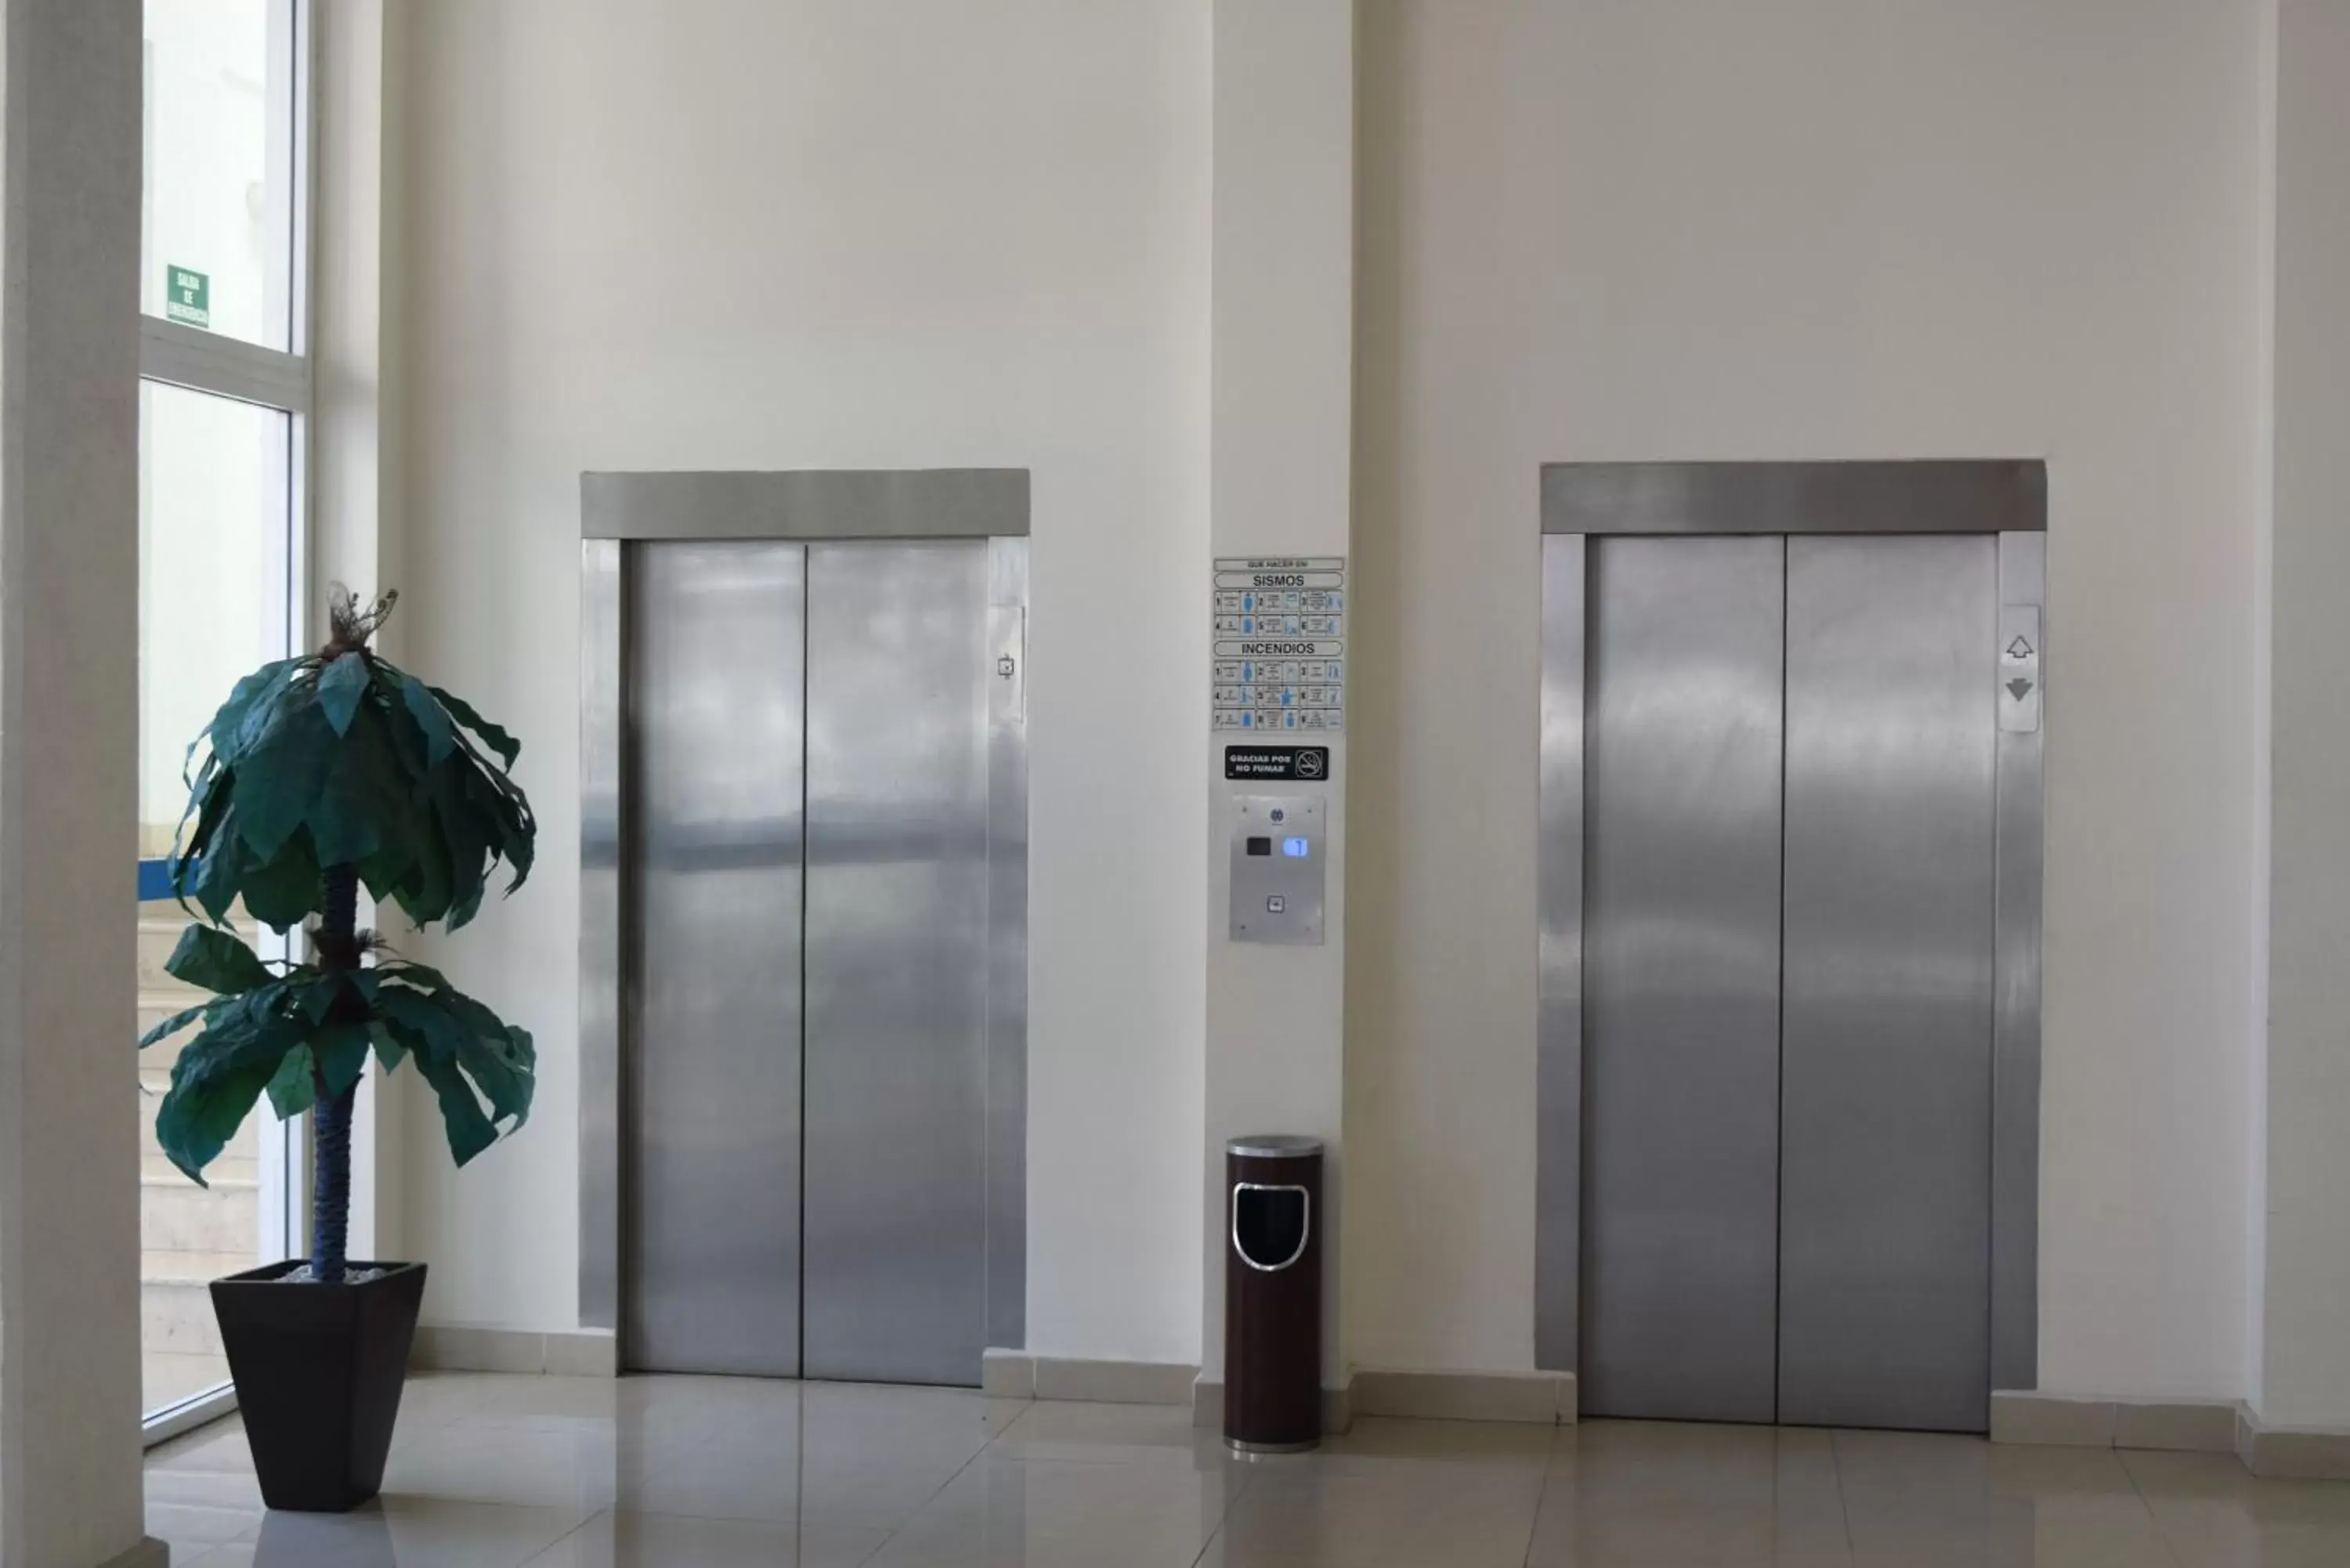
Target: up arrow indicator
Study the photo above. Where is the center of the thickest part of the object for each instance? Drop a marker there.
(2019, 648)
(2019, 689)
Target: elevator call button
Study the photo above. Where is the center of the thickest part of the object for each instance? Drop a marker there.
(1277, 868)
(2019, 668)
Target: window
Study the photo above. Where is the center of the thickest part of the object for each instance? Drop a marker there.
(216, 247)
(223, 408)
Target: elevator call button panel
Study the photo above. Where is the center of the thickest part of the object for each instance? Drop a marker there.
(2019, 668)
(1277, 860)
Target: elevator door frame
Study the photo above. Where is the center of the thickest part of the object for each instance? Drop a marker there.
(1580, 501)
(620, 512)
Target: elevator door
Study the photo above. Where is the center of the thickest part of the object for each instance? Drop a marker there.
(897, 961)
(1787, 979)
(807, 1068)
(1885, 1127)
(1681, 978)
(711, 1226)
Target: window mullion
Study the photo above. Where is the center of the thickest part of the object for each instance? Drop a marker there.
(201, 361)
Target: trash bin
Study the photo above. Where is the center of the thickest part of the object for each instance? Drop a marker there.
(1273, 1294)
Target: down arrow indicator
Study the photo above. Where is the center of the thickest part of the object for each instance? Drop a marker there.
(2019, 689)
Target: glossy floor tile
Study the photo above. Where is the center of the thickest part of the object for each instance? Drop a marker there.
(714, 1472)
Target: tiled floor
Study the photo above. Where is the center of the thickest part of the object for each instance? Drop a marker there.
(681, 1473)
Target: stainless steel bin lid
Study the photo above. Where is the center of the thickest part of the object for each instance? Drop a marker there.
(1273, 1145)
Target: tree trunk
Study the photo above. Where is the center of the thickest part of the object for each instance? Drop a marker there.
(330, 1130)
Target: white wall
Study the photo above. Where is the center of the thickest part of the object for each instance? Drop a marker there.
(1611, 229)
(720, 233)
(1282, 433)
(743, 233)
(2305, 1376)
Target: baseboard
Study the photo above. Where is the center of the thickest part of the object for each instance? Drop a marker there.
(2291, 1453)
(559, 1353)
(1016, 1375)
(149, 1553)
(2093, 1421)
(2180, 1426)
(1537, 1399)
(1338, 1407)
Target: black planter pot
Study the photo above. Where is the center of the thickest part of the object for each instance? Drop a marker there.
(318, 1372)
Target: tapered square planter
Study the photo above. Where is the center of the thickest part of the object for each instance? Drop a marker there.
(318, 1372)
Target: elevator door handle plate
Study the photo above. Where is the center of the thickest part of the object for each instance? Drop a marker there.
(1305, 1229)
(1008, 683)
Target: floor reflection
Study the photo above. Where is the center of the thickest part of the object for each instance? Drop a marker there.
(683, 1472)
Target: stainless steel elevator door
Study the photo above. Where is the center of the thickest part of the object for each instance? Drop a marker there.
(896, 961)
(711, 1203)
(1681, 978)
(1884, 1197)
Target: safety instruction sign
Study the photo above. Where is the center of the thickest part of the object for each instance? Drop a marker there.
(187, 295)
(1280, 644)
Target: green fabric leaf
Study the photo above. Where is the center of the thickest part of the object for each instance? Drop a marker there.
(454, 1028)
(172, 1026)
(214, 1083)
(348, 817)
(277, 786)
(507, 1089)
(318, 998)
(440, 739)
(341, 1050)
(281, 891)
(408, 972)
(516, 830)
(291, 1090)
(500, 1066)
(272, 703)
(226, 732)
(411, 1042)
(387, 873)
(466, 832)
(216, 960)
(439, 1034)
(204, 799)
(215, 884)
(497, 739)
(469, 1132)
(341, 686)
(388, 1052)
(208, 807)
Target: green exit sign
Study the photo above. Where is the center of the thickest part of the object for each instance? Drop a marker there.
(187, 295)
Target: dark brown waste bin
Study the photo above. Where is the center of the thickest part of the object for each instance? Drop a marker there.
(1272, 1293)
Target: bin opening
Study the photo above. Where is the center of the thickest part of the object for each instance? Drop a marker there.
(1270, 1224)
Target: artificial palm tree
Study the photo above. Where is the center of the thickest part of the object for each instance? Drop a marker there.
(318, 775)
(321, 775)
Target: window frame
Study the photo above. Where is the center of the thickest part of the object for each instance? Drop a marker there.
(173, 354)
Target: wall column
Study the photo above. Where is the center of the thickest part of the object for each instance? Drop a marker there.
(69, 1374)
(2301, 1355)
(1280, 433)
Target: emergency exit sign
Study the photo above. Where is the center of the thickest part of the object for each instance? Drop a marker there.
(187, 295)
